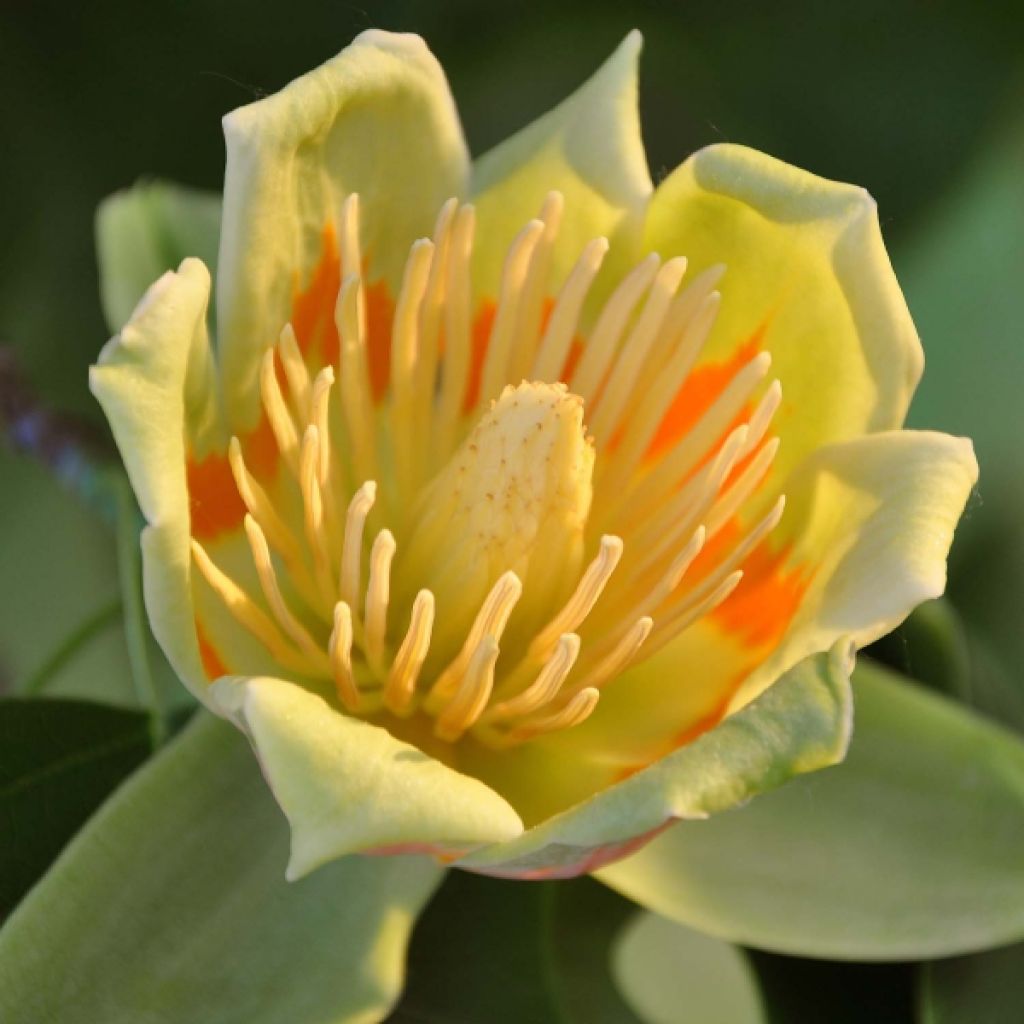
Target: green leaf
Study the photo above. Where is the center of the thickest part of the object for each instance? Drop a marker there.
(987, 988)
(171, 906)
(59, 759)
(148, 229)
(671, 974)
(912, 848)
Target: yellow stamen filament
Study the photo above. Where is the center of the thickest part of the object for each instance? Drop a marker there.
(281, 422)
(330, 605)
(472, 694)
(247, 612)
(339, 647)
(272, 592)
(377, 594)
(352, 547)
(295, 370)
(576, 711)
(545, 687)
(405, 670)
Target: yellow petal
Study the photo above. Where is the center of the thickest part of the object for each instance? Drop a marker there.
(589, 148)
(379, 120)
(807, 279)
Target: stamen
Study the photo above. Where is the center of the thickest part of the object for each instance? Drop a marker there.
(615, 397)
(535, 289)
(295, 370)
(602, 345)
(352, 546)
(281, 423)
(272, 592)
(318, 417)
(472, 694)
(340, 650)
(352, 258)
(584, 597)
(742, 488)
(313, 513)
(354, 377)
(246, 612)
(503, 333)
(405, 670)
(620, 656)
(378, 591)
(565, 317)
(491, 619)
(457, 331)
(758, 423)
(576, 711)
(545, 687)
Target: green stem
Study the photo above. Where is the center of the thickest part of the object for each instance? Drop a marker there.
(72, 644)
(136, 632)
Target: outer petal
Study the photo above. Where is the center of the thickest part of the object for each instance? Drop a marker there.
(589, 147)
(379, 120)
(146, 230)
(155, 383)
(348, 786)
(170, 907)
(912, 848)
(801, 724)
(807, 278)
(869, 523)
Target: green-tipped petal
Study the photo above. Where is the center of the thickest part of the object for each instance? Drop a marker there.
(171, 906)
(807, 279)
(671, 975)
(912, 848)
(379, 120)
(589, 148)
(800, 725)
(348, 786)
(146, 230)
(155, 383)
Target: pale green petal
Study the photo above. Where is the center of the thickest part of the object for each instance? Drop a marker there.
(670, 974)
(154, 381)
(912, 848)
(589, 148)
(801, 724)
(379, 120)
(171, 907)
(807, 279)
(348, 786)
(146, 230)
(871, 521)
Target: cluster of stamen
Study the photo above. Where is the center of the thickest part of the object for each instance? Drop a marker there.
(325, 608)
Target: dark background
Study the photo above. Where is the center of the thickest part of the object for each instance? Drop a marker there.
(923, 103)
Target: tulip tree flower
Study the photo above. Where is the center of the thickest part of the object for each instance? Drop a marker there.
(519, 508)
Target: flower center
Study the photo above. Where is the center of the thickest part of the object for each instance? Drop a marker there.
(490, 571)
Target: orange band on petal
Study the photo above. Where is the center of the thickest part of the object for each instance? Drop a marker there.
(313, 306)
(212, 663)
(699, 392)
(215, 505)
(482, 325)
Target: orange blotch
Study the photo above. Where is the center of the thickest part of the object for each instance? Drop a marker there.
(758, 612)
(212, 663)
(214, 502)
(481, 338)
(380, 313)
(699, 392)
(313, 306)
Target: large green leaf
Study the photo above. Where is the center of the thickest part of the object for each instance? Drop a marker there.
(671, 974)
(171, 906)
(912, 848)
(987, 988)
(58, 760)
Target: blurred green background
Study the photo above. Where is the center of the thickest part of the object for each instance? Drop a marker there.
(923, 103)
